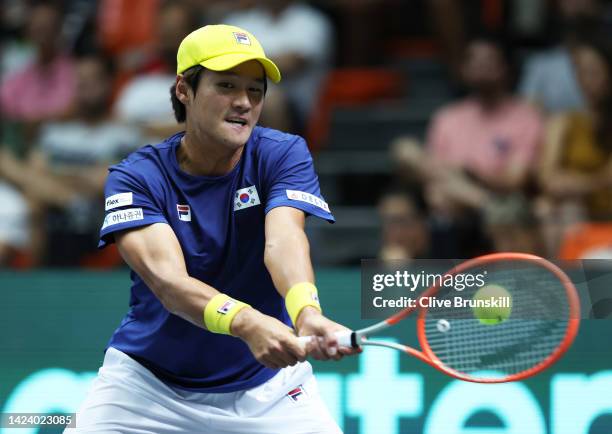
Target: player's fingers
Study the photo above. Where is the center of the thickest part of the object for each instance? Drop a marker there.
(268, 363)
(326, 352)
(331, 345)
(346, 351)
(283, 355)
(274, 362)
(314, 349)
(296, 349)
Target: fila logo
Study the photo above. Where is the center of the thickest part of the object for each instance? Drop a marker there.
(297, 394)
(184, 212)
(242, 38)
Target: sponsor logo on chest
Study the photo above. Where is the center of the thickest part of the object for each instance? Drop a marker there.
(184, 212)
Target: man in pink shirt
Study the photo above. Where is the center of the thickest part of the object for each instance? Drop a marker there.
(480, 150)
(44, 89)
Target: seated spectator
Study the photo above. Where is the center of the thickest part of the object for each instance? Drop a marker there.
(549, 77)
(14, 223)
(480, 151)
(64, 176)
(17, 51)
(45, 88)
(299, 39)
(405, 232)
(576, 165)
(144, 99)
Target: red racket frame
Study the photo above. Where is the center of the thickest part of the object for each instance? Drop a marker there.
(427, 355)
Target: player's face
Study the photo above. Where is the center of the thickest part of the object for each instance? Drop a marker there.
(228, 104)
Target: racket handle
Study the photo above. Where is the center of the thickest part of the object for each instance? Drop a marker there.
(344, 339)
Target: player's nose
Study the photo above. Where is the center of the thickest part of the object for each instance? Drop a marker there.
(241, 100)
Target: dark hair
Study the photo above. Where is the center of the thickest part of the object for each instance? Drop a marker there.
(503, 47)
(192, 78)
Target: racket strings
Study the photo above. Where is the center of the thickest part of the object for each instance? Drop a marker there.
(536, 327)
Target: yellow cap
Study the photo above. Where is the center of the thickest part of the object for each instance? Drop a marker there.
(221, 47)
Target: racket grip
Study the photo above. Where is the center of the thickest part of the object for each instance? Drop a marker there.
(344, 339)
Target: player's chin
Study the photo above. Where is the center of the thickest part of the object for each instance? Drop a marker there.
(236, 133)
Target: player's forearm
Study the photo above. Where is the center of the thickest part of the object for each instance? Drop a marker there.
(181, 295)
(287, 259)
(154, 254)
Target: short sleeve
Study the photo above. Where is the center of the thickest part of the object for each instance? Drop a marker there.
(128, 203)
(293, 182)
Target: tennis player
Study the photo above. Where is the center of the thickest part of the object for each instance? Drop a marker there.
(211, 223)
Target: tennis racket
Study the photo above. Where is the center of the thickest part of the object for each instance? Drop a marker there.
(543, 323)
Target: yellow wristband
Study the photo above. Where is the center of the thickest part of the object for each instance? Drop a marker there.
(220, 312)
(299, 296)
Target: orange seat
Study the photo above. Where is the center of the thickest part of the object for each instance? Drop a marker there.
(587, 240)
(21, 260)
(350, 87)
(125, 25)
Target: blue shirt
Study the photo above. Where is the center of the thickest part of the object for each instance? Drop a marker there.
(219, 222)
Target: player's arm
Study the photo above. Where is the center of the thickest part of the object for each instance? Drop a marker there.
(287, 258)
(155, 254)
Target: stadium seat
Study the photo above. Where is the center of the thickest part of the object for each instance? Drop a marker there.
(350, 87)
(587, 241)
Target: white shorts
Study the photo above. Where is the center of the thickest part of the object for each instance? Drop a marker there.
(127, 398)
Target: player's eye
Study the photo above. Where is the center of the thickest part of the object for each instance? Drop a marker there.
(225, 85)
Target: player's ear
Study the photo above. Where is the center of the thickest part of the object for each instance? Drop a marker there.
(182, 89)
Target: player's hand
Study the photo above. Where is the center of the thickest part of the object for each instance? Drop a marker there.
(325, 346)
(272, 343)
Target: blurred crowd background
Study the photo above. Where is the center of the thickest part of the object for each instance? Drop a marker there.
(439, 128)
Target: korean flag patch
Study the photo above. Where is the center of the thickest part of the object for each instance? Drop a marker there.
(246, 198)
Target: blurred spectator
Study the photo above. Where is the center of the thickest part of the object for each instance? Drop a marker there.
(549, 77)
(299, 39)
(480, 151)
(14, 223)
(576, 166)
(17, 52)
(64, 176)
(145, 100)
(454, 21)
(45, 88)
(405, 233)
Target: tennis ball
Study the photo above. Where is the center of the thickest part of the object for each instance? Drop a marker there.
(499, 305)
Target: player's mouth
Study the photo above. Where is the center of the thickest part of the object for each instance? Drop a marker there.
(237, 122)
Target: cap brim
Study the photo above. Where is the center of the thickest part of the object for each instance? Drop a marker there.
(228, 61)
